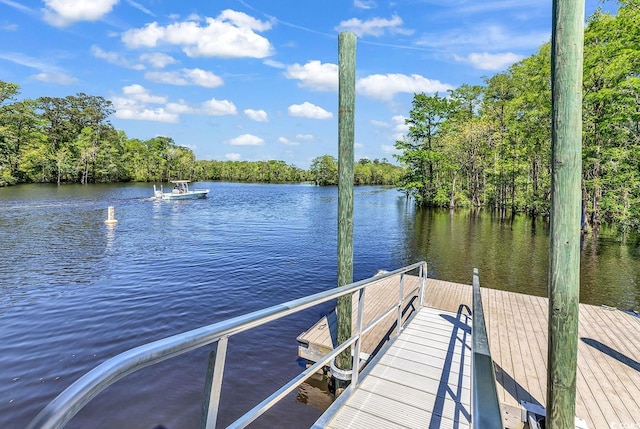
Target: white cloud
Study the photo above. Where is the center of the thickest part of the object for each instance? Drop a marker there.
(65, 12)
(135, 104)
(400, 127)
(233, 156)
(487, 61)
(49, 73)
(158, 60)
(215, 107)
(257, 115)
(55, 77)
(18, 6)
(288, 142)
(157, 114)
(114, 58)
(197, 77)
(142, 94)
(482, 36)
(232, 34)
(203, 78)
(273, 63)
(385, 87)
(246, 140)
(9, 27)
(400, 124)
(168, 77)
(180, 107)
(298, 138)
(389, 149)
(374, 27)
(364, 4)
(358, 146)
(140, 7)
(315, 75)
(380, 124)
(308, 110)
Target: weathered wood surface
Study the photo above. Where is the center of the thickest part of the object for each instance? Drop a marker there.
(567, 45)
(346, 115)
(608, 374)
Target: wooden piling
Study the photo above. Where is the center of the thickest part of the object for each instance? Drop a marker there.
(346, 108)
(564, 267)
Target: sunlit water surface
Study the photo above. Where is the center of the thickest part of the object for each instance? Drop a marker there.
(74, 291)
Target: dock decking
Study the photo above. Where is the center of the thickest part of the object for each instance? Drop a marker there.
(608, 373)
(421, 380)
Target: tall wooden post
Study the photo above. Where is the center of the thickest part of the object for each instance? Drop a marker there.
(346, 108)
(564, 260)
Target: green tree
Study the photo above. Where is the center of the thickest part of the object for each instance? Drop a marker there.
(324, 170)
(421, 154)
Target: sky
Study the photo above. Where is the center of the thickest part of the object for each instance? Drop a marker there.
(258, 80)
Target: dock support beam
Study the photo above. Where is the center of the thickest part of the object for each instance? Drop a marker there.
(564, 260)
(346, 108)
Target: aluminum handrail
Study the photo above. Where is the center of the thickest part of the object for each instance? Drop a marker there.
(68, 403)
(486, 407)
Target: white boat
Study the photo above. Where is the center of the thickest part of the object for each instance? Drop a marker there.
(180, 192)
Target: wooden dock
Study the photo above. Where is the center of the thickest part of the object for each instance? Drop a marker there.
(321, 338)
(608, 373)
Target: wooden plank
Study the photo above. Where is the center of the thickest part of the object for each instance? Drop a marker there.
(617, 376)
(608, 375)
(532, 387)
(592, 414)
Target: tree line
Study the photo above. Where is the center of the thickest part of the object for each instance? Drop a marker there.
(490, 145)
(70, 140)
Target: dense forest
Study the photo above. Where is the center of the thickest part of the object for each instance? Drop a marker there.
(70, 140)
(489, 145)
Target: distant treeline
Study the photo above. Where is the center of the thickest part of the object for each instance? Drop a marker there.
(323, 171)
(70, 140)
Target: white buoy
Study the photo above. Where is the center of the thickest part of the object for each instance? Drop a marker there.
(111, 218)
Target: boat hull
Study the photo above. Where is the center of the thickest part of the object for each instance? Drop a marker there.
(191, 195)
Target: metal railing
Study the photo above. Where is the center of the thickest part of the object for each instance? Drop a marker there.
(486, 408)
(62, 409)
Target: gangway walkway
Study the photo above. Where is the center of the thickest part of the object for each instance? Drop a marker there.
(421, 379)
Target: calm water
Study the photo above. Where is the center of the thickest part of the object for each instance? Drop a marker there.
(74, 292)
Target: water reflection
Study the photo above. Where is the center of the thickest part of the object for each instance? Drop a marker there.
(513, 254)
(315, 392)
(74, 292)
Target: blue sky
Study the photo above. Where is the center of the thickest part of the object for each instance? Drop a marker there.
(257, 80)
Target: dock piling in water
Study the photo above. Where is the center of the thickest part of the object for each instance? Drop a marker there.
(346, 107)
(566, 204)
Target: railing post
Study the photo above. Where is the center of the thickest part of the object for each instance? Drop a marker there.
(423, 284)
(400, 299)
(356, 351)
(213, 385)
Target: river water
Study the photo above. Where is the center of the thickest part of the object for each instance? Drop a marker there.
(74, 291)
